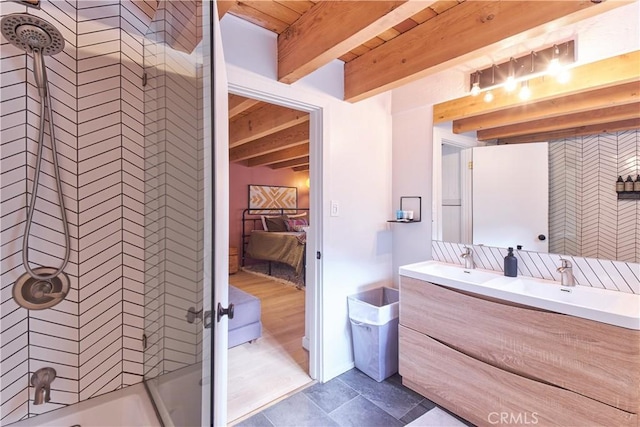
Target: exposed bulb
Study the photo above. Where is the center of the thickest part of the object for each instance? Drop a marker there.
(554, 67)
(488, 97)
(475, 90)
(563, 76)
(510, 84)
(525, 92)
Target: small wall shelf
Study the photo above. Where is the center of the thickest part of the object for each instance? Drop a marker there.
(629, 195)
(413, 203)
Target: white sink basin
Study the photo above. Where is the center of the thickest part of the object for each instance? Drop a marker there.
(445, 273)
(602, 305)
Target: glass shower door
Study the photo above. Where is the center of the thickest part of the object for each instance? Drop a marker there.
(177, 302)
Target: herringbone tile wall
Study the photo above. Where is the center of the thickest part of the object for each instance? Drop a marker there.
(585, 216)
(94, 338)
(600, 273)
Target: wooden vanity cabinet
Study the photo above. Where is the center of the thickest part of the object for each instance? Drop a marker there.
(497, 363)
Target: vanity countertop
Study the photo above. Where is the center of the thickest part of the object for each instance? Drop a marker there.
(602, 305)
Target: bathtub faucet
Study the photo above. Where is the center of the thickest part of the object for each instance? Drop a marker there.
(41, 380)
(566, 273)
(469, 263)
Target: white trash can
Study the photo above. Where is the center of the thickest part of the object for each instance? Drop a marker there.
(374, 316)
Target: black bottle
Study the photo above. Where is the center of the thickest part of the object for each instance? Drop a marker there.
(510, 264)
(636, 184)
(619, 184)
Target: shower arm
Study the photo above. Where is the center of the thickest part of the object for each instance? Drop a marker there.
(36, 178)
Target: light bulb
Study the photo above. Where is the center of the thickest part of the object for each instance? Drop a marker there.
(563, 76)
(510, 84)
(525, 92)
(475, 90)
(554, 66)
(488, 97)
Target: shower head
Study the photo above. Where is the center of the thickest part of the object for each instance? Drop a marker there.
(31, 33)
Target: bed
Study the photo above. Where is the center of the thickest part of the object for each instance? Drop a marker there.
(265, 237)
(274, 228)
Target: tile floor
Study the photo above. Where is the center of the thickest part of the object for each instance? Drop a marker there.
(354, 399)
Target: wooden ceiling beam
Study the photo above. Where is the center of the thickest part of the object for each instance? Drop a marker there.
(224, 6)
(259, 18)
(589, 100)
(265, 121)
(617, 70)
(573, 132)
(239, 104)
(473, 28)
(291, 163)
(286, 138)
(343, 26)
(575, 120)
(296, 152)
(301, 168)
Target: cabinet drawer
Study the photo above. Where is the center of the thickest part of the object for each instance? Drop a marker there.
(486, 395)
(594, 359)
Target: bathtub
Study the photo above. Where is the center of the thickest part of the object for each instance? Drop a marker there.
(129, 407)
(602, 305)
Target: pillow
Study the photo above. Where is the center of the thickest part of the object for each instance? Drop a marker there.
(263, 218)
(296, 224)
(304, 215)
(274, 223)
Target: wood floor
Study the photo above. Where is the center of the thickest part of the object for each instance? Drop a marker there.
(276, 364)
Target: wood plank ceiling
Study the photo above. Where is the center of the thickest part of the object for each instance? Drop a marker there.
(383, 45)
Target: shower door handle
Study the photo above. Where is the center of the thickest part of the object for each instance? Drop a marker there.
(207, 319)
(225, 311)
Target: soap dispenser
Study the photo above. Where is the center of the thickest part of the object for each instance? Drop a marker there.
(510, 264)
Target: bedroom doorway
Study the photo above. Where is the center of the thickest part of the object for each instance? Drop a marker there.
(270, 145)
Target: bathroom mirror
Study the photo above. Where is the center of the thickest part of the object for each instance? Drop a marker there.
(585, 216)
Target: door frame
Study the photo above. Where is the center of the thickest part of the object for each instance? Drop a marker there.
(313, 278)
(443, 135)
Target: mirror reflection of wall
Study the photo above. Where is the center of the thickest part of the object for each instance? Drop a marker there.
(585, 216)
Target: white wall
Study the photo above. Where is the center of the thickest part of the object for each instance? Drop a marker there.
(355, 172)
(603, 36)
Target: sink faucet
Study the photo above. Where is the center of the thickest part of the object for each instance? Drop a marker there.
(468, 258)
(41, 380)
(566, 273)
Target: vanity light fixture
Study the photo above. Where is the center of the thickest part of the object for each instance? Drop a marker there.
(554, 60)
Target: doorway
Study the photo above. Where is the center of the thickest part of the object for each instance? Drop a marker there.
(287, 347)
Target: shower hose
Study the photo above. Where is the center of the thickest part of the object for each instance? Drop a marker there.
(45, 106)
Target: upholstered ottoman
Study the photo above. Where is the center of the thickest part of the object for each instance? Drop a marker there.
(246, 324)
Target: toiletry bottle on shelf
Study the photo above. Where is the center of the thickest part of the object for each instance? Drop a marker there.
(510, 264)
(628, 184)
(619, 184)
(636, 184)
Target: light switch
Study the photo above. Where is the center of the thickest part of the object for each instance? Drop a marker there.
(335, 208)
